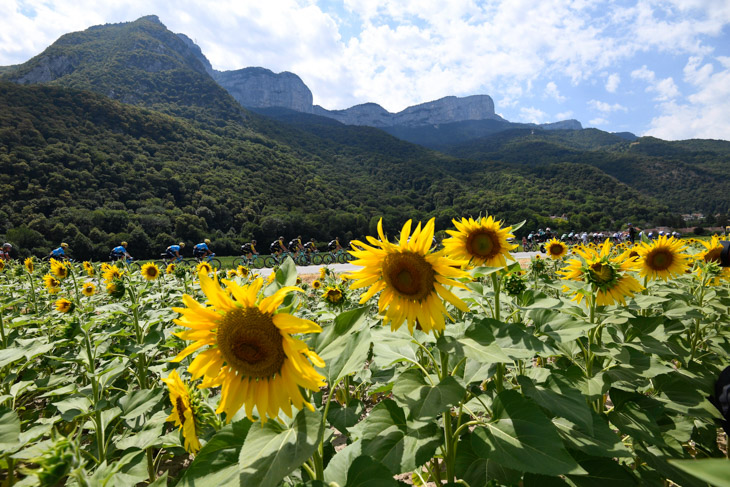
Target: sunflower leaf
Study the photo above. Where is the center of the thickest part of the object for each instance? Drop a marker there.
(423, 400)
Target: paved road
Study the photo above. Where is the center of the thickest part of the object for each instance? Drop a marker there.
(314, 269)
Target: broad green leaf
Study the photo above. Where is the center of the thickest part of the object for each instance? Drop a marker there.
(73, 407)
(390, 347)
(353, 319)
(560, 327)
(366, 472)
(659, 461)
(422, 400)
(478, 344)
(271, 452)
(139, 402)
(603, 472)
(635, 421)
(9, 430)
(345, 355)
(517, 342)
(685, 396)
(216, 464)
(536, 480)
(715, 471)
(387, 437)
(560, 399)
(477, 470)
(522, 438)
(599, 441)
(344, 417)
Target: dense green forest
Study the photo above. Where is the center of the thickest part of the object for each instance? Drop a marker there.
(119, 133)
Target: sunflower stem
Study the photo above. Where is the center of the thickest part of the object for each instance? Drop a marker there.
(2, 331)
(76, 286)
(32, 293)
(495, 284)
(450, 447)
(99, 425)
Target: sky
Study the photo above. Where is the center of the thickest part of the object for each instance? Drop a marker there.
(651, 67)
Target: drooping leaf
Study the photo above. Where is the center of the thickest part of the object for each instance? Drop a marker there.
(422, 400)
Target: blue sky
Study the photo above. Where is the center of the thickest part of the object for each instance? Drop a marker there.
(652, 67)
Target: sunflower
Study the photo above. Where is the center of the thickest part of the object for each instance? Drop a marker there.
(711, 255)
(170, 269)
(556, 249)
(182, 411)
(413, 279)
(250, 352)
(242, 271)
(63, 305)
(482, 242)
(2, 265)
(231, 273)
(299, 280)
(203, 267)
(322, 272)
(607, 275)
(59, 269)
(662, 258)
(115, 288)
(29, 265)
(89, 268)
(150, 271)
(332, 295)
(112, 273)
(52, 284)
(88, 289)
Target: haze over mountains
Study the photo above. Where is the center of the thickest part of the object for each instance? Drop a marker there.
(125, 131)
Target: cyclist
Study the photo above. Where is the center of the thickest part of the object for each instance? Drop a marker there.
(201, 250)
(295, 245)
(632, 233)
(120, 252)
(277, 247)
(310, 246)
(5, 252)
(249, 249)
(334, 245)
(60, 252)
(173, 251)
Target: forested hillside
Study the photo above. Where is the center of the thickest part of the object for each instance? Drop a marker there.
(93, 171)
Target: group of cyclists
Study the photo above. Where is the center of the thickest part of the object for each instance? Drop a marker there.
(631, 234)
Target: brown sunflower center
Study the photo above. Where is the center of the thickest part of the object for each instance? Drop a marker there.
(659, 260)
(251, 343)
(409, 273)
(181, 408)
(601, 272)
(713, 255)
(483, 244)
(555, 249)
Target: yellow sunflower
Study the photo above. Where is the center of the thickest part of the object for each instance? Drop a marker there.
(316, 284)
(115, 288)
(2, 265)
(182, 411)
(88, 289)
(662, 258)
(203, 267)
(63, 305)
(231, 273)
(29, 265)
(711, 254)
(250, 352)
(606, 274)
(481, 242)
(170, 269)
(332, 294)
(322, 272)
(89, 268)
(413, 279)
(112, 272)
(556, 249)
(150, 271)
(59, 269)
(52, 284)
(242, 271)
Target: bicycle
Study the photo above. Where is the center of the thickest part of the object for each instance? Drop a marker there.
(338, 257)
(210, 259)
(256, 262)
(274, 260)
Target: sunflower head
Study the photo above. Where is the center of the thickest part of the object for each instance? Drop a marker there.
(412, 278)
(556, 249)
(2, 265)
(333, 295)
(115, 288)
(250, 352)
(322, 272)
(482, 242)
(88, 289)
(514, 284)
(185, 410)
(242, 271)
(170, 269)
(231, 273)
(59, 269)
(63, 305)
(150, 271)
(112, 273)
(662, 258)
(52, 284)
(203, 268)
(89, 268)
(29, 265)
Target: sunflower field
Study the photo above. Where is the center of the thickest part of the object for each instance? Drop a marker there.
(592, 366)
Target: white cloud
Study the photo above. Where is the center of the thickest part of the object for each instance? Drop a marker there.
(551, 90)
(703, 114)
(612, 82)
(604, 107)
(564, 115)
(598, 121)
(532, 115)
(665, 89)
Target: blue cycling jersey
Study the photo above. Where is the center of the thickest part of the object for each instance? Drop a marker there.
(173, 248)
(119, 250)
(201, 246)
(58, 252)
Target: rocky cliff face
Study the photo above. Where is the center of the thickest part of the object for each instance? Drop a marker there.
(262, 88)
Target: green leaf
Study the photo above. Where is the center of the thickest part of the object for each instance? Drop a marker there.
(286, 275)
(272, 452)
(137, 403)
(560, 327)
(599, 441)
(560, 399)
(478, 343)
(387, 437)
(366, 472)
(522, 438)
(635, 421)
(73, 407)
(715, 471)
(343, 323)
(217, 462)
(422, 400)
(517, 342)
(9, 430)
(602, 472)
(344, 417)
(345, 355)
(390, 347)
(477, 470)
